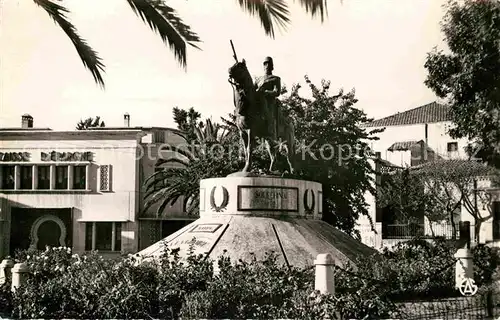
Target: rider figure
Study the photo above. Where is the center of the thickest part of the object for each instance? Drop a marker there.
(269, 88)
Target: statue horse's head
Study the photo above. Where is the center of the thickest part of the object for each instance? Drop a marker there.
(239, 74)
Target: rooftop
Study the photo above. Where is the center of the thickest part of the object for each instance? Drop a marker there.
(429, 113)
(457, 166)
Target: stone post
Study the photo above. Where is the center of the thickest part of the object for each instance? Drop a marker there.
(5, 270)
(465, 234)
(19, 275)
(464, 267)
(324, 275)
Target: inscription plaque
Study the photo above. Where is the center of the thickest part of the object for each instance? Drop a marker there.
(267, 198)
(206, 228)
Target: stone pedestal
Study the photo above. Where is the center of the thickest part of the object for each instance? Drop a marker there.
(252, 216)
(261, 196)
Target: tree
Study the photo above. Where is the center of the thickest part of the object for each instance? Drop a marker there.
(333, 150)
(410, 197)
(187, 122)
(163, 19)
(439, 190)
(209, 153)
(90, 123)
(469, 76)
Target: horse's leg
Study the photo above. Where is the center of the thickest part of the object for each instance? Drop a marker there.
(248, 148)
(288, 157)
(290, 145)
(241, 149)
(244, 139)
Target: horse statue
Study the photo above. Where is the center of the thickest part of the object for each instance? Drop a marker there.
(273, 127)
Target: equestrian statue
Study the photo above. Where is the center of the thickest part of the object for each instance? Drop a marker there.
(259, 113)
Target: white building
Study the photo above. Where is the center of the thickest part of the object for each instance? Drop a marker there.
(411, 138)
(406, 133)
(81, 189)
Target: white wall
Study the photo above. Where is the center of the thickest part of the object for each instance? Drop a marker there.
(437, 140)
(90, 205)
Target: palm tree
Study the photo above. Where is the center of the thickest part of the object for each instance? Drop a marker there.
(90, 123)
(195, 164)
(164, 20)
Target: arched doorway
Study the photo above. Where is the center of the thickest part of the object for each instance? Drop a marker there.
(48, 230)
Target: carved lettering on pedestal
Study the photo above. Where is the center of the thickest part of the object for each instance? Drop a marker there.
(261, 198)
(196, 243)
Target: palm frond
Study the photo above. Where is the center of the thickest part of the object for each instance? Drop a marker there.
(88, 56)
(316, 7)
(151, 181)
(164, 20)
(189, 154)
(270, 12)
(161, 162)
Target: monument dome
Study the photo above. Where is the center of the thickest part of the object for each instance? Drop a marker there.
(252, 216)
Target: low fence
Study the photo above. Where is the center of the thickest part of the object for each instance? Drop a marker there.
(448, 231)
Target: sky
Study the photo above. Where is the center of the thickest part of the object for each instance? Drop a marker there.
(377, 47)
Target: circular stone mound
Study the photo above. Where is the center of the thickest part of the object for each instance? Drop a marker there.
(252, 216)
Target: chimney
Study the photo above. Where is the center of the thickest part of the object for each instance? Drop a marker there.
(126, 120)
(26, 121)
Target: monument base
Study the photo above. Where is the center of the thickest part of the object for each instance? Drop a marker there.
(246, 217)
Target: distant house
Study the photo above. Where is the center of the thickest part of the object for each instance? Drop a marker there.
(412, 139)
(417, 135)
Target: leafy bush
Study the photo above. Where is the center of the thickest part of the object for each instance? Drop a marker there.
(421, 269)
(5, 299)
(486, 261)
(66, 285)
(412, 269)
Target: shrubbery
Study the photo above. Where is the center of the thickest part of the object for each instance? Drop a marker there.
(415, 269)
(66, 285)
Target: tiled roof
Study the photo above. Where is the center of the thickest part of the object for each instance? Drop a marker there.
(459, 166)
(403, 145)
(429, 113)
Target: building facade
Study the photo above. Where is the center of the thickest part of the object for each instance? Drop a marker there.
(417, 135)
(410, 139)
(81, 189)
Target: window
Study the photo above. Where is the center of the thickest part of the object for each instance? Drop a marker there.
(8, 177)
(43, 177)
(61, 177)
(26, 177)
(79, 177)
(105, 178)
(158, 137)
(103, 236)
(452, 146)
